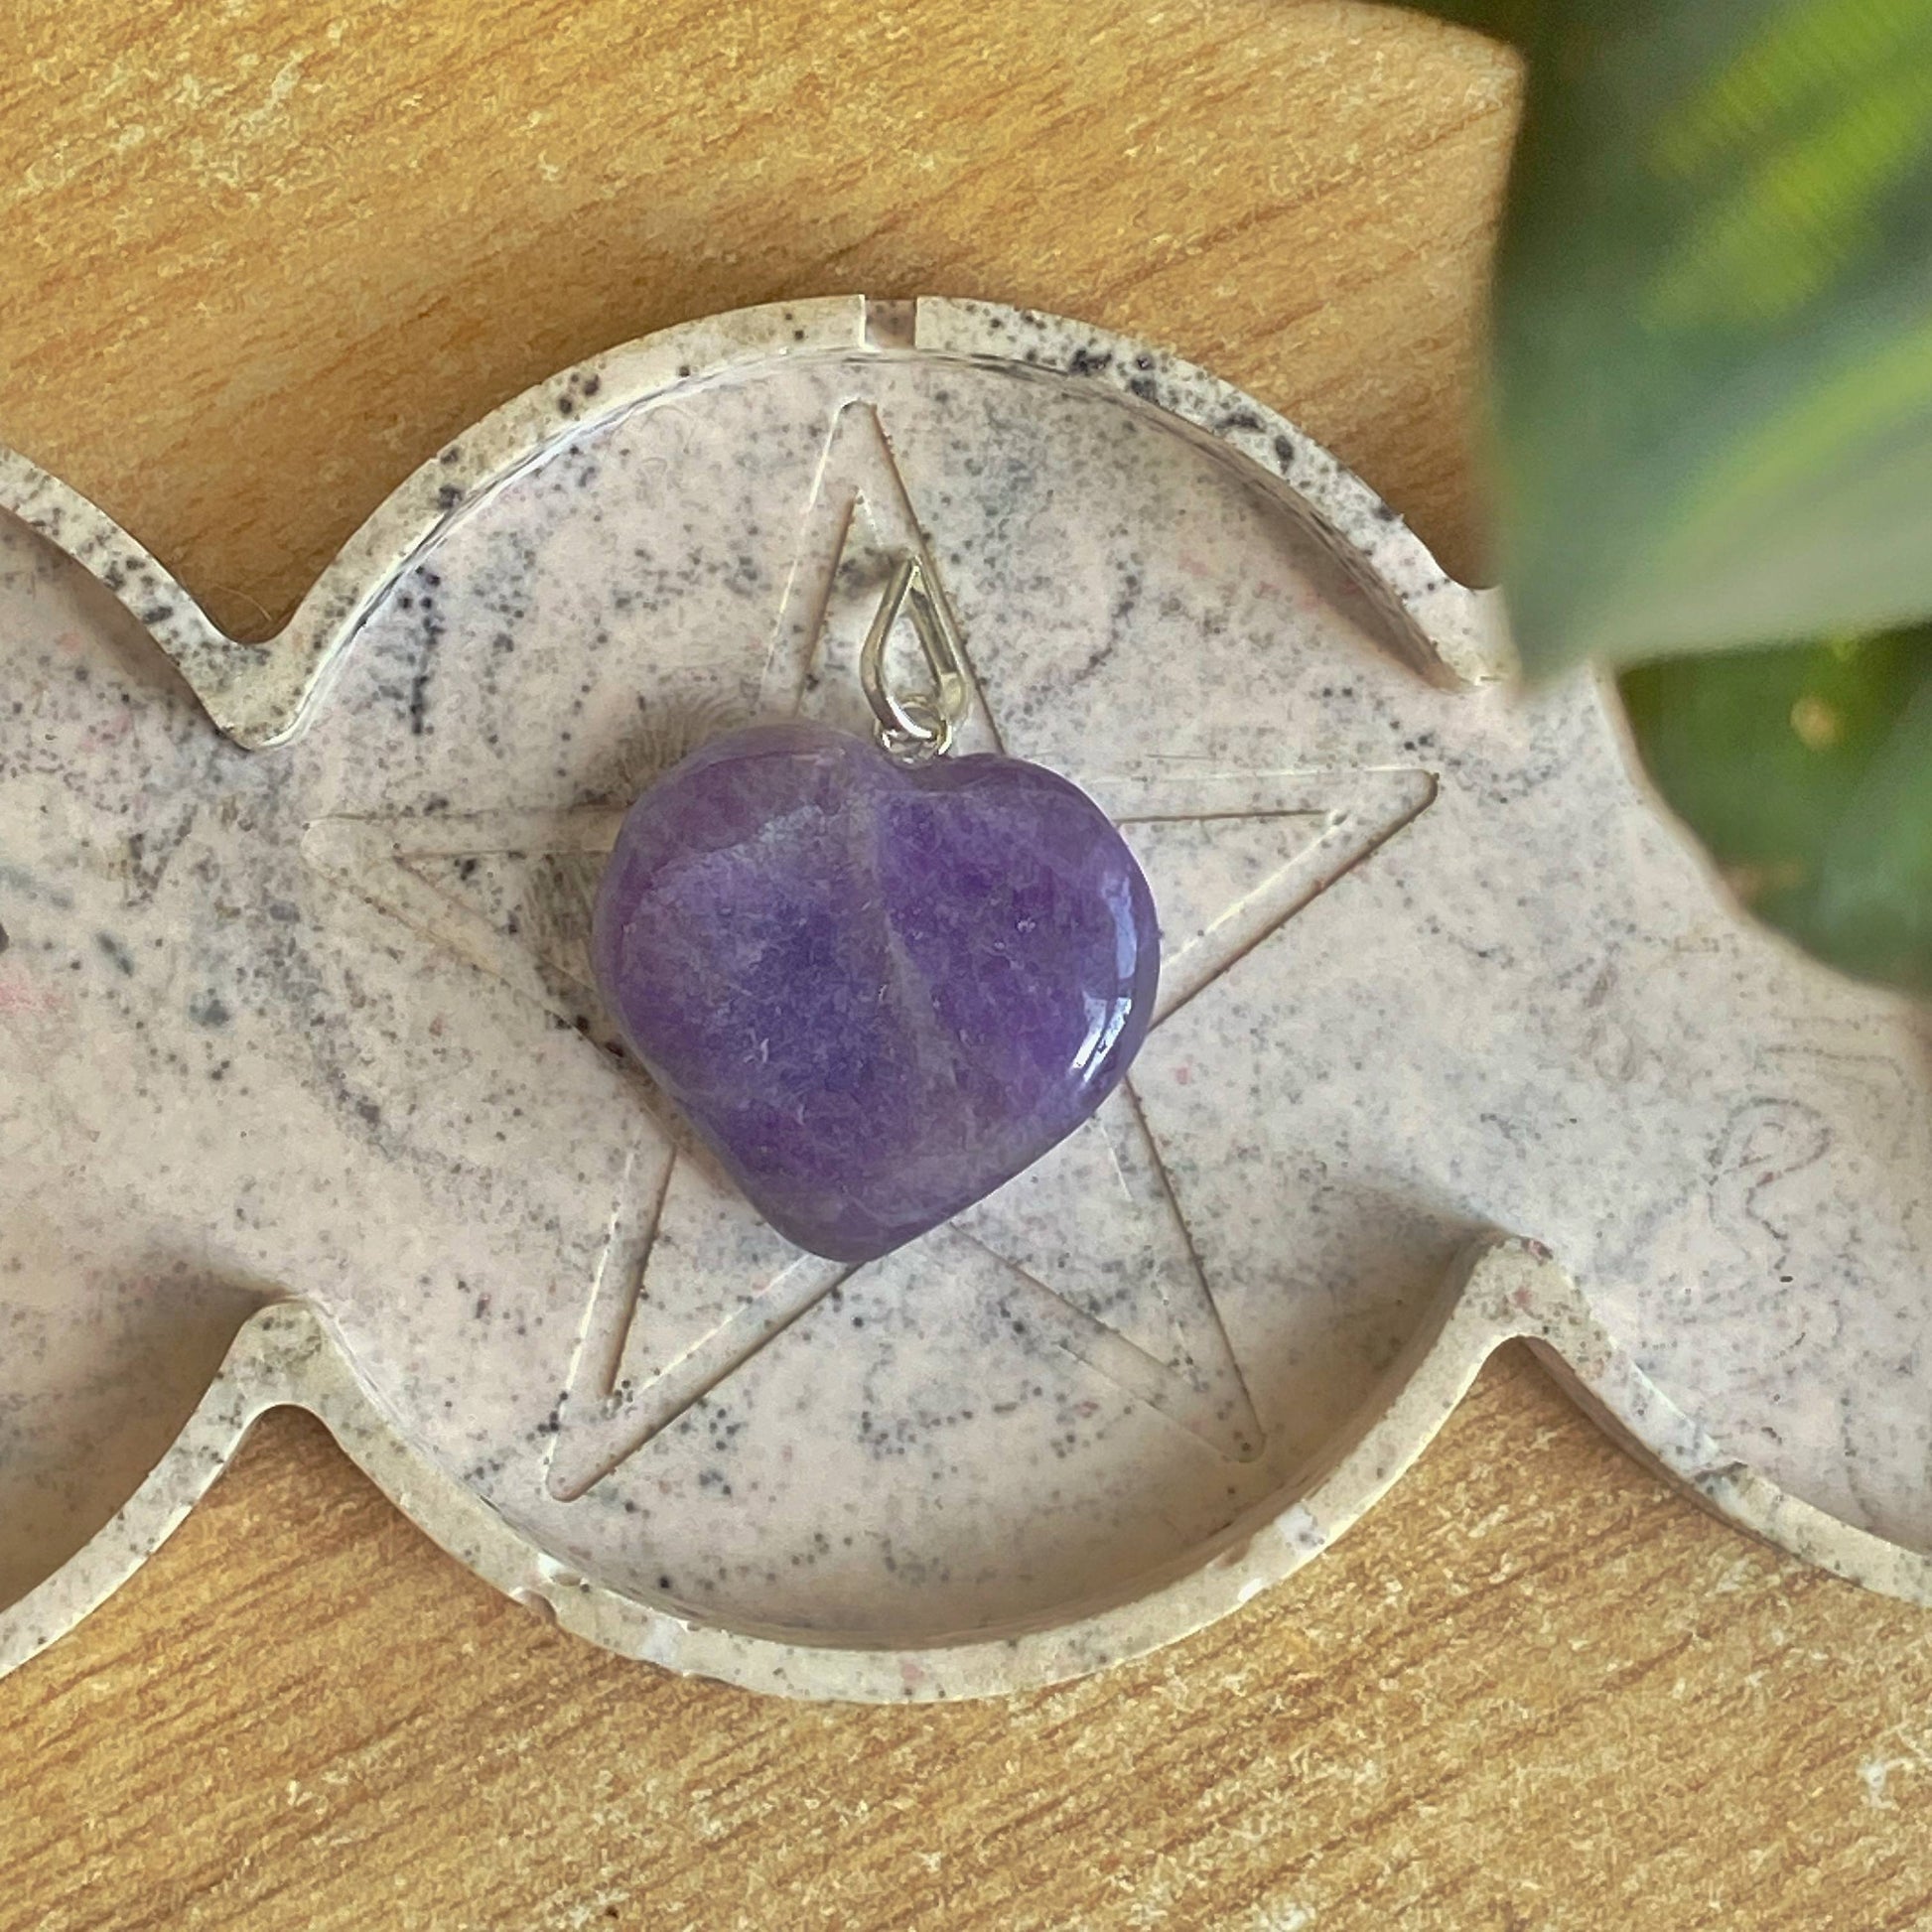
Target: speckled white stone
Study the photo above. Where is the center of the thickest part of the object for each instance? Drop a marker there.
(309, 1029)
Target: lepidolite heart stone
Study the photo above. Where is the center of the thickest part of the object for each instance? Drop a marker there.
(877, 991)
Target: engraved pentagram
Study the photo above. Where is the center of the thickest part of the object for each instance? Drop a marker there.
(1232, 854)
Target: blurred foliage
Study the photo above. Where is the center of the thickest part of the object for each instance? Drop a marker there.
(1712, 405)
(1808, 773)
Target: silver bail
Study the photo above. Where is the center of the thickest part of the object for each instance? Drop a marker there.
(916, 725)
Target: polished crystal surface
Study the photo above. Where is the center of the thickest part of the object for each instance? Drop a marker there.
(877, 991)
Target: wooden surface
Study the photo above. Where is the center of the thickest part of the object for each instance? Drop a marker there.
(262, 255)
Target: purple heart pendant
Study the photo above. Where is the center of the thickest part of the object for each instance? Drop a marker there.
(878, 990)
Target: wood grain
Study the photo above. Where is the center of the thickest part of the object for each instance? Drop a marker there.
(263, 255)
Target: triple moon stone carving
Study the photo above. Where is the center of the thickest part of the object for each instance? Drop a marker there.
(305, 1094)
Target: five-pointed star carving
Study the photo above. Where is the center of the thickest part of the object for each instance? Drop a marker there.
(1244, 852)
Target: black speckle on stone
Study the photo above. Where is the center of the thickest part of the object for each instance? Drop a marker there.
(284, 911)
(454, 453)
(1241, 419)
(370, 1112)
(419, 725)
(157, 613)
(1388, 512)
(209, 1009)
(1285, 452)
(121, 959)
(1089, 362)
(593, 383)
(1145, 387)
(449, 496)
(663, 1582)
(566, 405)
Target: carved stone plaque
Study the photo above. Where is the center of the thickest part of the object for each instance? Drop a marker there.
(300, 1065)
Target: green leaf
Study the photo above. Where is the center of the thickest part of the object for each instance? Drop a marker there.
(1712, 399)
(1808, 773)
